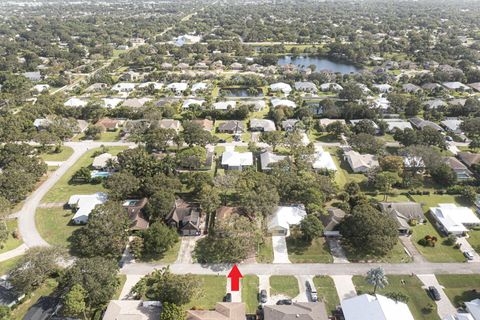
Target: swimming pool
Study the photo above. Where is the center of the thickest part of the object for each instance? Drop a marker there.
(99, 174)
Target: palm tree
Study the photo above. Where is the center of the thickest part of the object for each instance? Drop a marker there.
(376, 277)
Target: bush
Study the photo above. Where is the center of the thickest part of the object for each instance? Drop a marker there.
(96, 180)
(412, 222)
(451, 240)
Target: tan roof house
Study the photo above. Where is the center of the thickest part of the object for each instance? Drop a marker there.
(360, 162)
(296, 311)
(132, 310)
(206, 124)
(223, 311)
(108, 124)
(169, 124)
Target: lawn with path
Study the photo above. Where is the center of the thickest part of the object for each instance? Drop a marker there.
(326, 291)
(396, 255)
(460, 288)
(54, 225)
(418, 298)
(265, 252)
(284, 285)
(7, 265)
(61, 156)
(213, 292)
(301, 251)
(250, 293)
(12, 242)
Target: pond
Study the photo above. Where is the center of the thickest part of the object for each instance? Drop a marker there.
(320, 63)
(241, 92)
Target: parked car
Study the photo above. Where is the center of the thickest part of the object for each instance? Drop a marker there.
(468, 255)
(434, 294)
(284, 302)
(263, 296)
(311, 290)
(228, 297)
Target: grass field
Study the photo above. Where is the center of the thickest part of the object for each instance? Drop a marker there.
(54, 225)
(460, 288)
(418, 298)
(108, 136)
(250, 293)
(327, 292)
(62, 156)
(44, 290)
(63, 189)
(397, 255)
(300, 251)
(169, 257)
(265, 252)
(122, 278)
(11, 242)
(474, 239)
(214, 289)
(285, 285)
(7, 265)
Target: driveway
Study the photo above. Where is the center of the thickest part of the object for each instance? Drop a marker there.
(445, 308)
(466, 246)
(344, 286)
(304, 295)
(412, 251)
(337, 251)
(186, 249)
(280, 253)
(236, 295)
(127, 287)
(264, 284)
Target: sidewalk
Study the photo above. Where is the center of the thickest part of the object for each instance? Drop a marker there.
(412, 250)
(18, 251)
(344, 286)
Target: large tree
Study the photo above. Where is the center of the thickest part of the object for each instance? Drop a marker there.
(273, 138)
(194, 134)
(158, 238)
(74, 302)
(122, 185)
(369, 232)
(160, 204)
(311, 227)
(366, 143)
(376, 277)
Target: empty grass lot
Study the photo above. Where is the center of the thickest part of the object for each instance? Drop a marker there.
(11, 242)
(214, 289)
(250, 293)
(54, 225)
(109, 136)
(63, 189)
(61, 156)
(418, 298)
(396, 255)
(284, 285)
(327, 292)
(460, 288)
(301, 251)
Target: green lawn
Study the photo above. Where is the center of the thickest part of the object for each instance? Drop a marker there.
(250, 293)
(397, 255)
(108, 136)
(474, 239)
(11, 242)
(344, 173)
(285, 285)
(214, 289)
(54, 225)
(418, 297)
(169, 257)
(63, 189)
(62, 156)
(44, 290)
(327, 292)
(265, 252)
(122, 278)
(7, 265)
(460, 288)
(300, 251)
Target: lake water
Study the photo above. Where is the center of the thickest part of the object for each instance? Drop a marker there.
(321, 64)
(240, 92)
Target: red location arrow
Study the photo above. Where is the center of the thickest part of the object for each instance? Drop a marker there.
(235, 276)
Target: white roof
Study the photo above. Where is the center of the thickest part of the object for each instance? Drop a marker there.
(237, 159)
(75, 102)
(381, 103)
(398, 124)
(284, 217)
(199, 86)
(323, 160)
(281, 86)
(41, 87)
(178, 86)
(454, 218)
(111, 102)
(156, 85)
(188, 102)
(474, 308)
(266, 124)
(383, 87)
(268, 158)
(223, 105)
(330, 85)
(41, 122)
(368, 307)
(101, 160)
(283, 102)
(124, 86)
(455, 85)
(85, 204)
(459, 316)
(452, 124)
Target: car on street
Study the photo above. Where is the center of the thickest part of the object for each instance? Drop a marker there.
(228, 297)
(263, 296)
(312, 291)
(468, 255)
(284, 302)
(434, 294)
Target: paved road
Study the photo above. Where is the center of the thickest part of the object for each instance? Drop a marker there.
(309, 268)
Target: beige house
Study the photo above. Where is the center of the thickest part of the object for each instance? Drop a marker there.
(223, 311)
(132, 309)
(296, 311)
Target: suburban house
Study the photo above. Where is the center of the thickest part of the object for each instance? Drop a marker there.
(224, 105)
(383, 88)
(39, 88)
(323, 160)
(461, 170)
(135, 102)
(185, 218)
(268, 158)
(258, 105)
(133, 309)
(101, 162)
(107, 124)
(232, 127)
(111, 103)
(8, 295)
(199, 86)
(154, 85)
(177, 87)
(357, 121)
(331, 220)
(331, 86)
(130, 76)
(223, 311)
(75, 103)
(41, 123)
(84, 204)
(406, 214)
(453, 219)
(452, 125)
(420, 124)
(469, 158)
(262, 125)
(134, 209)
(284, 217)
(124, 87)
(377, 307)
(225, 213)
(411, 88)
(190, 102)
(33, 76)
(289, 124)
(326, 121)
(360, 163)
(473, 307)
(306, 86)
(169, 124)
(297, 310)
(435, 103)
(206, 124)
(282, 103)
(281, 87)
(456, 86)
(397, 124)
(232, 160)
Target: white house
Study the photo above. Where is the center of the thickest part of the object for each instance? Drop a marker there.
(283, 102)
(100, 162)
(368, 307)
(124, 87)
(453, 219)
(224, 105)
(397, 124)
(187, 103)
(360, 163)
(282, 87)
(75, 103)
(199, 86)
(111, 103)
(155, 85)
(383, 88)
(268, 158)
(331, 86)
(84, 204)
(177, 87)
(41, 87)
(284, 217)
(187, 39)
(323, 160)
(232, 160)
(474, 308)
